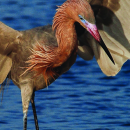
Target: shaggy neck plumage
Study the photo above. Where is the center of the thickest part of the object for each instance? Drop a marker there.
(65, 33)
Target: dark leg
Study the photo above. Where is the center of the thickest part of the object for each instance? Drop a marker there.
(25, 121)
(34, 112)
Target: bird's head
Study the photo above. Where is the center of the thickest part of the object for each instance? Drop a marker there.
(90, 27)
(79, 11)
(82, 13)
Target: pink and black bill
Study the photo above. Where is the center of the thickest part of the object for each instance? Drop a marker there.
(92, 29)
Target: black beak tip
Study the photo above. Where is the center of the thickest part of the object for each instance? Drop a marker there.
(106, 50)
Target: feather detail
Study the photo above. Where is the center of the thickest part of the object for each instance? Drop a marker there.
(42, 61)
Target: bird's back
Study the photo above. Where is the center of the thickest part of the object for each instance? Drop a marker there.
(42, 35)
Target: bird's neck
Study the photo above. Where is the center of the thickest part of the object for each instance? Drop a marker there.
(66, 36)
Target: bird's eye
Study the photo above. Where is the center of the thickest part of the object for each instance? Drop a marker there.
(81, 18)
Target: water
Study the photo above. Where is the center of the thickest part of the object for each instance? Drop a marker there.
(81, 99)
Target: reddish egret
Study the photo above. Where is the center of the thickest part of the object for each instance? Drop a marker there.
(34, 58)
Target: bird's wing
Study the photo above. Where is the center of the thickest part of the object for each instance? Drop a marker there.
(8, 40)
(112, 19)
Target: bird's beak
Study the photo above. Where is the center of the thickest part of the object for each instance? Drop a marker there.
(92, 29)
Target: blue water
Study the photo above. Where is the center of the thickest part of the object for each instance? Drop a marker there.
(81, 99)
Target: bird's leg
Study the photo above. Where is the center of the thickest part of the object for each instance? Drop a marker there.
(25, 121)
(26, 93)
(34, 111)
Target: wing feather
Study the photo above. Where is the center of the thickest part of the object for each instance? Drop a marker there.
(112, 19)
(116, 36)
(8, 40)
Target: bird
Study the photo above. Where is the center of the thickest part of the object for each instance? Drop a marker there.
(112, 20)
(34, 58)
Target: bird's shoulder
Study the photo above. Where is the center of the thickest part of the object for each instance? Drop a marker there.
(8, 38)
(43, 35)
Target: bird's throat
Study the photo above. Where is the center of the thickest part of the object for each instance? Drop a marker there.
(67, 41)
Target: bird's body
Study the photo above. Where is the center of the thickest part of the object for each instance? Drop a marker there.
(29, 81)
(21, 55)
(32, 37)
(23, 52)
(34, 58)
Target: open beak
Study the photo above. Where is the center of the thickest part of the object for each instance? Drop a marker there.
(92, 29)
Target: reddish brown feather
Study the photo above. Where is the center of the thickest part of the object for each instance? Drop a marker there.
(43, 60)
